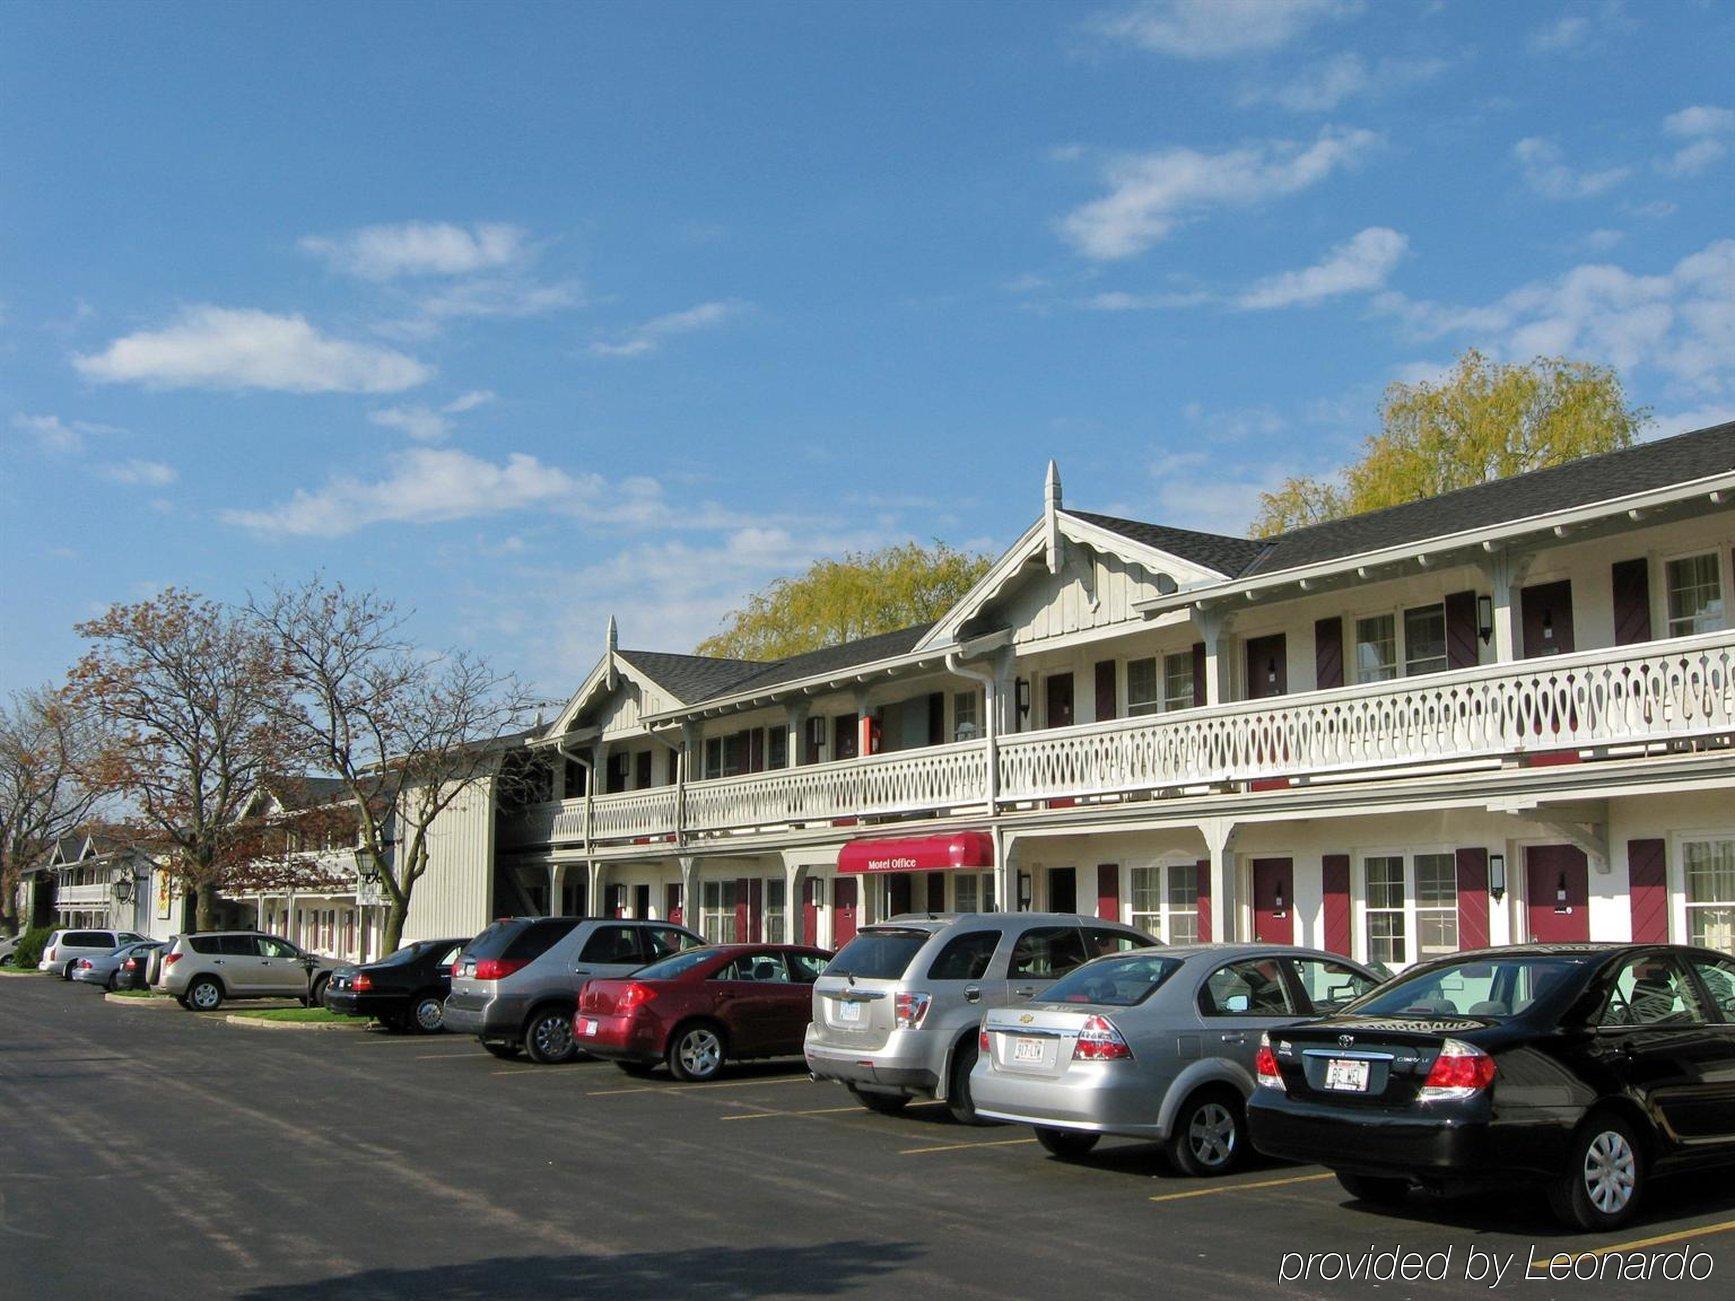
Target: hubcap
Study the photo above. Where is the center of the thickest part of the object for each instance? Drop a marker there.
(205, 997)
(1610, 1172)
(1211, 1136)
(701, 1053)
(553, 1036)
(429, 1013)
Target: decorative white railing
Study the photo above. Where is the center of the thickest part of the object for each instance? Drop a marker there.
(1630, 695)
(1649, 694)
(935, 779)
(70, 896)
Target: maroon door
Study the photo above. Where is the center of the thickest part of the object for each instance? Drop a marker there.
(1547, 613)
(1267, 667)
(1558, 877)
(672, 904)
(843, 911)
(1273, 901)
(1108, 891)
(809, 914)
(1058, 691)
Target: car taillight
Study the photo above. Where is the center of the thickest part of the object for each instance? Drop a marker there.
(1099, 1041)
(1460, 1070)
(131, 964)
(170, 959)
(634, 995)
(84, 964)
(361, 982)
(498, 968)
(909, 1009)
(982, 1044)
(49, 954)
(1265, 1066)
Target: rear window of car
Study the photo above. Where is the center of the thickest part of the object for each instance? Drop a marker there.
(1121, 982)
(204, 944)
(1484, 987)
(88, 940)
(406, 955)
(520, 940)
(669, 968)
(883, 953)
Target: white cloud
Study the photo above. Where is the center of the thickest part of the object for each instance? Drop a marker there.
(1151, 194)
(52, 434)
(1346, 76)
(1681, 422)
(139, 474)
(419, 248)
(428, 424)
(1214, 29)
(648, 336)
(426, 485)
(1546, 171)
(1602, 240)
(1568, 32)
(500, 298)
(243, 348)
(1360, 265)
(1118, 300)
(1705, 128)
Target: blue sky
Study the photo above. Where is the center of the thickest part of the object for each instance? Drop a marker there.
(531, 314)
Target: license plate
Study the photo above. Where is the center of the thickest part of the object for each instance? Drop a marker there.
(1027, 1050)
(586, 1027)
(849, 1013)
(1346, 1076)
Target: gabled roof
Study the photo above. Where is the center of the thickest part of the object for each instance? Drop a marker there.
(691, 678)
(830, 659)
(1219, 551)
(305, 792)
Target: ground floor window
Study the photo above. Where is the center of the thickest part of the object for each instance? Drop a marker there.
(1165, 902)
(775, 923)
(717, 920)
(972, 892)
(1411, 906)
(1709, 872)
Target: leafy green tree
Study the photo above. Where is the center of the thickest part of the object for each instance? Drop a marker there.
(835, 601)
(1485, 421)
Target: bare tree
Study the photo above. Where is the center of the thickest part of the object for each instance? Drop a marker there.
(187, 690)
(408, 733)
(47, 745)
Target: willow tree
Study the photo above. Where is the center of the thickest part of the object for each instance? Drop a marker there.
(1484, 421)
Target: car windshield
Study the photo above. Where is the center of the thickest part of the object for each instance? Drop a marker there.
(1483, 987)
(674, 966)
(1113, 982)
(882, 953)
(404, 956)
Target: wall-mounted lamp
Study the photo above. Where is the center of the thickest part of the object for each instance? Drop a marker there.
(1021, 694)
(1497, 876)
(123, 889)
(1277, 901)
(1548, 625)
(1560, 904)
(1271, 673)
(1485, 618)
(1024, 892)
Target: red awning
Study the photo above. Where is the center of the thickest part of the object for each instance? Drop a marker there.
(918, 853)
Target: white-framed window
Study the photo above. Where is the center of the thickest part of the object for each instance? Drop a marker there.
(1165, 901)
(1436, 904)
(1179, 690)
(1144, 694)
(1402, 644)
(972, 892)
(775, 922)
(717, 919)
(1708, 878)
(1160, 683)
(1387, 932)
(966, 715)
(1409, 906)
(1425, 640)
(1376, 648)
(1695, 594)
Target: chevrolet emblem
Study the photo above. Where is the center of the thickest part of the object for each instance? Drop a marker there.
(1025, 1019)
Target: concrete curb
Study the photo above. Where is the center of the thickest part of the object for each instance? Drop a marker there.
(254, 1023)
(157, 1002)
(13, 971)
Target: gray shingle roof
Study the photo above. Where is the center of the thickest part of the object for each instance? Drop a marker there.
(1217, 551)
(829, 659)
(690, 678)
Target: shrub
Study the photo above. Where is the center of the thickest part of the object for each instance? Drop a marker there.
(29, 950)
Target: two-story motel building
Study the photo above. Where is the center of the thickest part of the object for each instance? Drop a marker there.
(1502, 714)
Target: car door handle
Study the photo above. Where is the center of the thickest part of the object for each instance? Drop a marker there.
(972, 993)
(1025, 991)
(581, 971)
(1233, 1038)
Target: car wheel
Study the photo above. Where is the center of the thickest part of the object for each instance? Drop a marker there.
(316, 994)
(1374, 1189)
(506, 1052)
(638, 1070)
(111, 985)
(429, 1014)
(1603, 1179)
(1210, 1134)
(66, 972)
(958, 1100)
(1067, 1144)
(204, 995)
(548, 1037)
(885, 1104)
(696, 1053)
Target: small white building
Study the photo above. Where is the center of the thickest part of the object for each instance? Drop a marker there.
(103, 881)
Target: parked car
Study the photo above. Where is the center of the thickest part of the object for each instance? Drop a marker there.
(154, 963)
(516, 985)
(66, 947)
(1156, 1044)
(9, 949)
(897, 1013)
(104, 969)
(1584, 1070)
(701, 1007)
(405, 990)
(133, 972)
(203, 970)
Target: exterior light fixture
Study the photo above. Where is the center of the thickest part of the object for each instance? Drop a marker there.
(1548, 625)
(1497, 876)
(1277, 900)
(123, 889)
(1271, 673)
(1023, 892)
(1021, 693)
(367, 866)
(1485, 618)
(1560, 904)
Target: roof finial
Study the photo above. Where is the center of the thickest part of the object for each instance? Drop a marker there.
(614, 636)
(1051, 486)
(1051, 518)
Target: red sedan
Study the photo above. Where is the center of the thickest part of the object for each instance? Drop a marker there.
(697, 1009)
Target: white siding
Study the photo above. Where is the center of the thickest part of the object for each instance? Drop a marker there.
(456, 894)
(1093, 590)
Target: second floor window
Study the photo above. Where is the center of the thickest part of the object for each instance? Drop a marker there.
(966, 716)
(1695, 595)
(1162, 682)
(1143, 693)
(1178, 688)
(1387, 647)
(1376, 648)
(1424, 640)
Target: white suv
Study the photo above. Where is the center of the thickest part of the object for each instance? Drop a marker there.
(204, 970)
(64, 948)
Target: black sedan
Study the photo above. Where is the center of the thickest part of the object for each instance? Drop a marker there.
(403, 991)
(1585, 1070)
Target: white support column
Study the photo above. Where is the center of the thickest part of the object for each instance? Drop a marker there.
(690, 900)
(1005, 870)
(556, 887)
(1220, 837)
(797, 731)
(1505, 574)
(794, 877)
(1213, 626)
(593, 900)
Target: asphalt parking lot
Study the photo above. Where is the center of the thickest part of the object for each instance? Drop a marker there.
(149, 1153)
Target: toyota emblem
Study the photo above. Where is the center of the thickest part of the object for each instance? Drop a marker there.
(1345, 1040)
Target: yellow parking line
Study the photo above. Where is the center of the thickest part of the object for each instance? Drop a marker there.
(818, 1111)
(1241, 1188)
(696, 1088)
(1704, 1231)
(958, 1147)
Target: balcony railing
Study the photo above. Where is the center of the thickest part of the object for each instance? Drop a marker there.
(1646, 695)
(70, 896)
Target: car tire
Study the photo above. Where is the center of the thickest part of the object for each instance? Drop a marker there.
(112, 985)
(1376, 1190)
(883, 1104)
(316, 993)
(1210, 1133)
(66, 972)
(548, 1037)
(428, 1014)
(204, 995)
(697, 1052)
(506, 1052)
(1067, 1144)
(958, 1100)
(1604, 1177)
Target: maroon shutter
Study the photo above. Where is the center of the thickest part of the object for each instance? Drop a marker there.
(1198, 673)
(743, 913)
(1204, 904)
(1461, 652)
(1108, 891)
(1105, 690)
(1328, 653)
(674, 766)
(1473, 898)
(1648, 890)
(936, 718)
(756, 750)
(1632, 596)
(1334, 882)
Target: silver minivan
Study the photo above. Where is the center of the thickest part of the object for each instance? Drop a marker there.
(67, 946)
(897, 1013)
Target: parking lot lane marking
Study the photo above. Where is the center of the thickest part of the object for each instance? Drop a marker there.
(959, 1147)
(1242, 1188)
(817, 1111)
(696, 1088)
(434, 1057)
(1703, 1231)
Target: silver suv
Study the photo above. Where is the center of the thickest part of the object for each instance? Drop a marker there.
(516, 985)
(204, 970)
(897, 1013)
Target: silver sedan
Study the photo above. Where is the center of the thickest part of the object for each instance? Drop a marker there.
(1155, 1044)
(104, 968)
